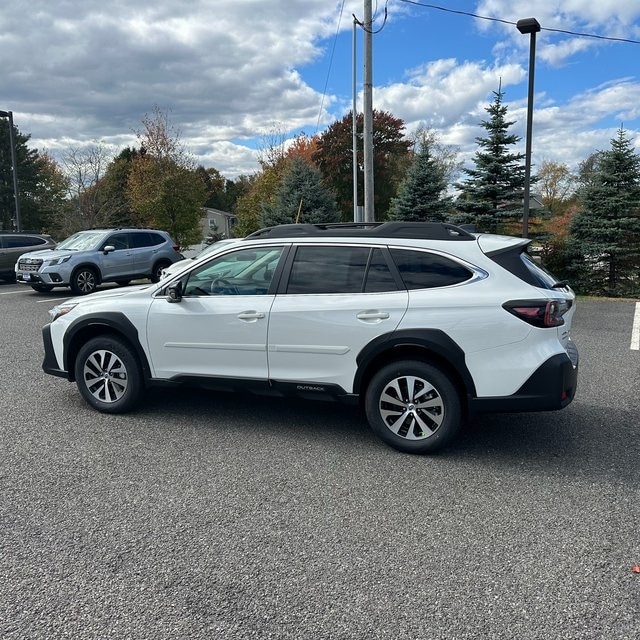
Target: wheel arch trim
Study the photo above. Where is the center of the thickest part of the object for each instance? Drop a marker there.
(425, 342)
(94, 325)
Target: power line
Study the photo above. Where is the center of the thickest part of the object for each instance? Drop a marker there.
(491, 19)
(326, 82)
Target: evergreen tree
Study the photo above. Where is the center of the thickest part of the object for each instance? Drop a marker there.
(301, 198)
(492, 195)
(33, 183)
(605, 233)
(422, 194)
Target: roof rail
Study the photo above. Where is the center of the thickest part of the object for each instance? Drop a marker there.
(420, 230)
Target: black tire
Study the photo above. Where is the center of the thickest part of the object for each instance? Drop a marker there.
(42, 288)
(156, 274)
(122, 283)
(108, 375)
(84, 281)
(393, 405)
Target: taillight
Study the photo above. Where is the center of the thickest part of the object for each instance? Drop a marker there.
(539, 313)
(176, 247)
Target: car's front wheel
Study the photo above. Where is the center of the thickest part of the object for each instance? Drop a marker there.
(413, 406)
(84, 281)
(108, 375)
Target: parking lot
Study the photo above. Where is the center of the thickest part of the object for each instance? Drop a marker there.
(231, 516)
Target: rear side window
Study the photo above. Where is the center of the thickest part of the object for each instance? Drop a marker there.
(341, 269)
(522, 265)
(424, 270)
(146, 239)
(22, 241)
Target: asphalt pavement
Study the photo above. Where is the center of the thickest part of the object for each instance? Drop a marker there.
(206, 515)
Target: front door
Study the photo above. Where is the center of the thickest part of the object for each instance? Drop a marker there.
(219, 327)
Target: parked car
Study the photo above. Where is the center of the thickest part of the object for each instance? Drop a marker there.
(89, 258)
(424, 323)
(205, 251)
(13, 245)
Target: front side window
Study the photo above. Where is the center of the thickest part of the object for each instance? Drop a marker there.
(117, 240)
(244, 272)
(425, 270)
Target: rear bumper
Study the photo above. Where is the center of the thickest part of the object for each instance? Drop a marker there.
(552, 386)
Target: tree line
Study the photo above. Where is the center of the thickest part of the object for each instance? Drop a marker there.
(587, 230)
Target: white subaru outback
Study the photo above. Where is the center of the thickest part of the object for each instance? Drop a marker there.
(425, 323)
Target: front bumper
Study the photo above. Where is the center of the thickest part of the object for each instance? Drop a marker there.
(50, 362)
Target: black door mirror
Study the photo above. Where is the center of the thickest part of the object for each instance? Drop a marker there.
(174, 292)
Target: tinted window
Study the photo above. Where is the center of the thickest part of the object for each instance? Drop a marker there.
(118, 240)
(379, 277)
(146, 239)
(424, 270)
(22, 241)
(328, 270)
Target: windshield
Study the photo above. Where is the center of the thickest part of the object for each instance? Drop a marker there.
(82, 241)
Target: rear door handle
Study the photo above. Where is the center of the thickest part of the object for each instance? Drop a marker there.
(373, 315)
(251, 316)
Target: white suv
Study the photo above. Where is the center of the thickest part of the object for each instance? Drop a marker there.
(424, 322)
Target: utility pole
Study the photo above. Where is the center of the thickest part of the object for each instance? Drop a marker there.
(369, 211)
(14, 168)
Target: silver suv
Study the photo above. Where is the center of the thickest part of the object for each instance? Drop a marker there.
(14, 244)
(88, 258)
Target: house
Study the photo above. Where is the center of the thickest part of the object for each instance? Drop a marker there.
(217, 224)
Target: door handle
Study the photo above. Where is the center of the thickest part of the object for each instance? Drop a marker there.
(373, 315)
(251, 316)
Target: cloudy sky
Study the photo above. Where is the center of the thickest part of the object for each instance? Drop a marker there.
(228, 73)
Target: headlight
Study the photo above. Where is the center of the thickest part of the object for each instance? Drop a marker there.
(61, 309)
(55, 261)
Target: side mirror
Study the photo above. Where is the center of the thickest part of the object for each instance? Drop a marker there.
(108, 249)
(174, 292)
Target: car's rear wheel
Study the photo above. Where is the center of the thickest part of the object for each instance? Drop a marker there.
(156, 274)
(42, 288)
(84, 281)
(108, 375)
(413, 406)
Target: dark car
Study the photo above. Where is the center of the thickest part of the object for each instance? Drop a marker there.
(13, 245)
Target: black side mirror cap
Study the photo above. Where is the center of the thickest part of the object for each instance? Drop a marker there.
(174, 292)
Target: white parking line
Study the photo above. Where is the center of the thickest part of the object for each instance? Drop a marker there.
(635, 332)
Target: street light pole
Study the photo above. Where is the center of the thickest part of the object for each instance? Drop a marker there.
(369, 209)
(531, 26)
(9, 114)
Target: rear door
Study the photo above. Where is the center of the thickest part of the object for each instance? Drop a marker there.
(335, 300)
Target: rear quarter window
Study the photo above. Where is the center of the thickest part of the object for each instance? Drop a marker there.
(425, 270)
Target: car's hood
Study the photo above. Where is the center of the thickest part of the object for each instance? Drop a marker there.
(46, 254)
(108, 293)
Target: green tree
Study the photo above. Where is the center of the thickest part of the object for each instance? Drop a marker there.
(164, 188)
(301, 197)
(33, 176)
(605, 233)
(391, 156)
(422, 194)
(491, 197)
